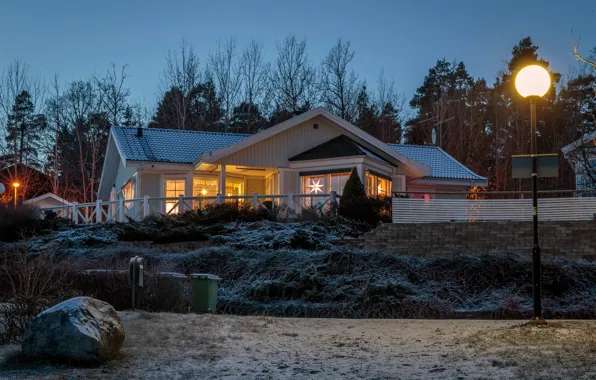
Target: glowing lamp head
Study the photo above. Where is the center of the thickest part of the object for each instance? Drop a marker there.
(16, 184)
(532, 80)
(204, 191)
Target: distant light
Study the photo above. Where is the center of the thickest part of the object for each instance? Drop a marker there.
(532, 80)
(204, 191)
(16, 184)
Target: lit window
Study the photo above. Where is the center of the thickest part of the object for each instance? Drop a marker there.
(128, 191)
(234, 188)
(338, 182)
(204, 187)
(174, 187)
(377, 186)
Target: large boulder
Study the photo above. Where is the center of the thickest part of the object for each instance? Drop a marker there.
(79, 329)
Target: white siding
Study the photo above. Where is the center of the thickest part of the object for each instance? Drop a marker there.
(275, 151)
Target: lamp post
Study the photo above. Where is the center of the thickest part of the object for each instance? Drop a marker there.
(533, 82)
(16, 186)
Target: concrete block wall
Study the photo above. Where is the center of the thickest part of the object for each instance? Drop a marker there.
(573, 239)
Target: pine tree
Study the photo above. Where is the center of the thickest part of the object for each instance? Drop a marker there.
(354, 188)
(366, 112)
(24, 131)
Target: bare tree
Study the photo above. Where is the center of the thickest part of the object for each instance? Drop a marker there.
(253, 71)
(182, 74)
(224, 67)
(338, 85)
(80, 100)
(577, 55)
(54, 110)
(292, 77)
(113, 93)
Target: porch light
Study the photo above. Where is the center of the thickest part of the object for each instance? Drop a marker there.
(316, 187)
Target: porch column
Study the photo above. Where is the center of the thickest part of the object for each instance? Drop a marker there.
(222, 180)
(360, 170)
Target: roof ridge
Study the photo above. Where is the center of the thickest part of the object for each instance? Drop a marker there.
(184, 130)
(414, 145)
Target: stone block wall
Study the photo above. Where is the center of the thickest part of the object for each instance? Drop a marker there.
(573, 239)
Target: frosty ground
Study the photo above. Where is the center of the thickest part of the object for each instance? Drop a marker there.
(273, 270)
(186, 346)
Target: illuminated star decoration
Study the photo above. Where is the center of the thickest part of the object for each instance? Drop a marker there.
(316, 187)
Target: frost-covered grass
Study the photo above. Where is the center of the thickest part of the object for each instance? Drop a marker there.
(346, 283)
(295, 269)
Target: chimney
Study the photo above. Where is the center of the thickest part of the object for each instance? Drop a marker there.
(139, 131)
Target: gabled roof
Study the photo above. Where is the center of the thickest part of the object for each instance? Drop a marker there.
(45, 196)
(588, 137)
(170, 145)
(340, 146)
(441, 163)
(413, 166)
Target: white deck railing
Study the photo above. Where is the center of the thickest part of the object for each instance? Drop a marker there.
(122, 210)
(408, 210)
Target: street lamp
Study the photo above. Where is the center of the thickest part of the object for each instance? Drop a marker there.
(533, 82)
(16, 186)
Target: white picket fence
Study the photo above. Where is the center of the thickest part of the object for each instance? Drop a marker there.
(122, 210)
(409, 210)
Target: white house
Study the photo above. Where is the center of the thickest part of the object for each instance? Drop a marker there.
(581, 154)
(311, 153)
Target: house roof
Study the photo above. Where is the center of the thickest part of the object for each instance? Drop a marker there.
(45, 196)
(413, 166)
(170, 145)
(441, 163)
(187, 147)
(340, 146)
(588, 137)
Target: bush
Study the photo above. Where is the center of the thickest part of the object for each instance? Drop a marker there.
(29, 284)
(354, 204)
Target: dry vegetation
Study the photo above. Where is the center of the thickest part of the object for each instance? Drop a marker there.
(175, 346)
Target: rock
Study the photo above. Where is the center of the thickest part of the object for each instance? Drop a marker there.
(81, 329)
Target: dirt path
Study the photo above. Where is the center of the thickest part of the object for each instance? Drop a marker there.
(175, 346)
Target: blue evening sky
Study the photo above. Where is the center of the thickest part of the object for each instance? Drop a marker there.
(76, 38)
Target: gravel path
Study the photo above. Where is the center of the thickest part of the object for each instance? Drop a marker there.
(188, 346)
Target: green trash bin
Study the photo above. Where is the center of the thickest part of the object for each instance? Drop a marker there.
(204, 292)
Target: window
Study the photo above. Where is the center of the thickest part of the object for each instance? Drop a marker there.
(204, 187)
(338, 182)
(314, 185)
(174, 187)
(377, 186)
(128, 191)
(234, 187)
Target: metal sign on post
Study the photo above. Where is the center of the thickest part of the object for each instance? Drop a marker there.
(548, 165)
(136, 277)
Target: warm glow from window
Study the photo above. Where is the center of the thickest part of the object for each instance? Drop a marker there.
(377, 186)
(206, 187)
(532, 80)
(234, 187)
(174, 188)
(128, 191)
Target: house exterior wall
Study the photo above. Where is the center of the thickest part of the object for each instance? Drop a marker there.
(255, 185)
(274, 152)
(123, 174)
